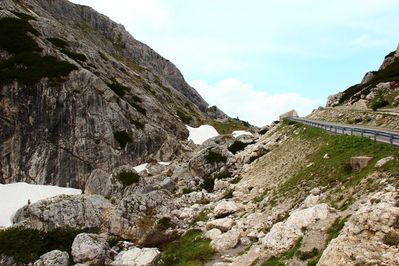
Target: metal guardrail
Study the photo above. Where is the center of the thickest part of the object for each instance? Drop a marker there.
(377, 135)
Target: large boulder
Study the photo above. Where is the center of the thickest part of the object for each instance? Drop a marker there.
(284, 234)
(223, 224)
(90, 249)
(53, 258)
(360, 162)
(362, 240)
(137, 257)
(75, 211)
(224, 208)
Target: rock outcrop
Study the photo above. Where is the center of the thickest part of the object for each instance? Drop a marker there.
(81, 211)
(53, 258)
(121, 103)
(90, 249)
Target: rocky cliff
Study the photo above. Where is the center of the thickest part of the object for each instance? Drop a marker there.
(79, 93)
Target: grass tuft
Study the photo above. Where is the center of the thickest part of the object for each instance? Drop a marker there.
(127, 178)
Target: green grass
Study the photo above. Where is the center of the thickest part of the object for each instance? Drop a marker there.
(122, 137)
(126, 178)
(26, 245)
(334, 230)
(378, 102)
(214, 157)
(190, 249)
(330, 172)
(184, 116)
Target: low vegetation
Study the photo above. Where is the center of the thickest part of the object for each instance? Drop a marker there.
(60, 43)
(229, 126)
(118, 88)
(237, 146)
(122, 137)
(378, 102)
(26, 245)
(215, 157)
(126, 178)
(27, 65)
(190, 249)
(334, 172)
(391, 239)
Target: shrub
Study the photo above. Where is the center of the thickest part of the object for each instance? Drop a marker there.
(379, 102)
(190, 249)
(391, 239)
(165, 223)
(118, 88)
(237, 146)
(222, 175)
(75, 56)
(185, 118)
(23, 16)
(127, 178)
(208, 184)
(138, 124)
(214, 157)
(60, 43)
(228, 194)
(14, 37)
(138, 107)
(122, 137)
(26, 245)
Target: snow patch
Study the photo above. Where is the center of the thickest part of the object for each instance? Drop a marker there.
(164, 163)
(200, 134)
(15, 196)
(141, 167)
(240, 133)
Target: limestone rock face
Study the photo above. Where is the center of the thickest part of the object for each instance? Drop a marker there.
(53, 258)
(90, 249)
(138, 257)
(60, 132)
(78, 211)
(284, 234)
(361, 240)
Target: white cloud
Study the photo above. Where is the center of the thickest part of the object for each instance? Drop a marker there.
(241, 100)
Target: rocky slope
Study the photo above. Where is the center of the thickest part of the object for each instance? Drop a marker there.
(78, 94)
(286, 195)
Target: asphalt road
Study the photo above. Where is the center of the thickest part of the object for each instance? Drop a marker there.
(376, 134)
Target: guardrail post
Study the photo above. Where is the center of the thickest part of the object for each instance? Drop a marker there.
(375, 136)
(391, 139)
(351, 131)
(335, 130)
(362, 133)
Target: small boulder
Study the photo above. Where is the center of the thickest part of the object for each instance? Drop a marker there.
(137, 257)
(383, 161)
(213, 233)
(360, 162)
(91, 249)
(226, 241)
(53, 258)
(225, 208)
(223, 224)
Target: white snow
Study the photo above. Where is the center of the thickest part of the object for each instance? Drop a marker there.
(141, 167)
(240, 133)
(199, 134)
(15, 196)
(164, 163)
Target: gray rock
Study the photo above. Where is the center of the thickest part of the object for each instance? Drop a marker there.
(223, 224)
(224, 208)
(53, 258)
(360, 162)
(137, 257)
(226, 241)
(90, 249)
(75, 211)
(383, 161)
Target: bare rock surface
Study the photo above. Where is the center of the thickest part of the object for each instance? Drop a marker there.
(90, 249)
(53, 258)
(137, 257)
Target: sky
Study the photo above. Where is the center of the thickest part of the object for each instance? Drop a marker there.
(256, 59)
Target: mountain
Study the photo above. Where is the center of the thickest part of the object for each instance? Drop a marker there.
(79, 93)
